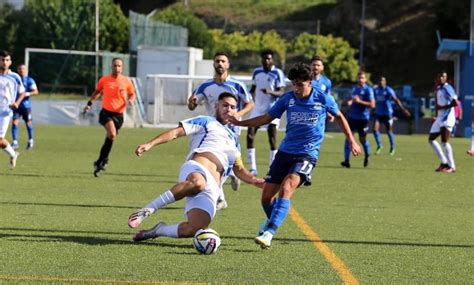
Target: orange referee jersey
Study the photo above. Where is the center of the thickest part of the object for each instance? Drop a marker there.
(115, 92)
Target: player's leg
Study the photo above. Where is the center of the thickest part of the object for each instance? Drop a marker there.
(272, 140)
(363, 130)
(4, 144)
(435, 131)
(391, 136)
(29, 127)
(377, 136)
(251, 152)
(448, 150)
(347, 147)
(15, 128)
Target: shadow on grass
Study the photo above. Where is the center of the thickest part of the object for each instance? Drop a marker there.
(82, 205)
(88, 174)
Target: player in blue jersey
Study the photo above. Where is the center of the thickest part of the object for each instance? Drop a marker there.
(446, 100)
(384, 95)
(319, 79)
(24, 110)
(268, 85)
(209, 91)
(214, 151)
(306, 109)
(359, 114)
(10, 86)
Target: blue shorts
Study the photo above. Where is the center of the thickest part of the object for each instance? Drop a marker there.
(24, 113)
(359, 126)
(286, 163)
(384, 119)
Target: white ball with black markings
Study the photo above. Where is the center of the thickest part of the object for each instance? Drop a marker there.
(206, 241)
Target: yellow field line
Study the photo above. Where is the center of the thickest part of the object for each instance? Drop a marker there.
(85, 280)
(330, 256)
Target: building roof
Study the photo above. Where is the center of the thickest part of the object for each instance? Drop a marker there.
(449, 48)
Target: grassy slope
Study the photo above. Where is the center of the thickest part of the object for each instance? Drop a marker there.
(396, 222)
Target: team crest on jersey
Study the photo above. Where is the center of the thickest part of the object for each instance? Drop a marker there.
(323, 87)
(291, 103)
(318, 106)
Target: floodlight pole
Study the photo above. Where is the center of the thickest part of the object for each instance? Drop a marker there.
(471, 38)
(96, 40)
(361, 47)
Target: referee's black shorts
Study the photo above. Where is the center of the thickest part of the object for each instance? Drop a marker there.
(106, 116)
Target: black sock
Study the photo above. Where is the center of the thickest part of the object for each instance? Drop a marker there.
(105, 150)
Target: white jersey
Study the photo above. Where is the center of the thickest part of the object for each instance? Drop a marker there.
(209, 91)
(209, 135)
(10, 86)
(445, 118)
(269, 80)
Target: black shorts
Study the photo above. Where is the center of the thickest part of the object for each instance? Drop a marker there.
(286, 163)
(24, 113)
(386, 120)
(359, 126)
(106, 116)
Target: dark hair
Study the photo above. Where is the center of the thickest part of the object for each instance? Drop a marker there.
(4, 53)
(117, 58)
(443, 72)
(265, 52)
(361, 72)
(227, 94)
(221, 53)
(318, 58)
(300, 71)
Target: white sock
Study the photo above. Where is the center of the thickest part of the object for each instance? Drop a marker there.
(438, 151)
(271, 156)
(449, 154)
(163, 200)
(251, 158)
(168, 231)
(9, 149)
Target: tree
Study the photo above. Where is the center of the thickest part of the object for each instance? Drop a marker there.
(338, 55)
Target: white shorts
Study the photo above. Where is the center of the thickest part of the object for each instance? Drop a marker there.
(438, 124)
(207, 199)
(4, 123)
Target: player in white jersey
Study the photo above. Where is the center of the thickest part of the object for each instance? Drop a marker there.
(214, 150)
(10, 86)
(209, 91)
(268, 85)
(446, 100)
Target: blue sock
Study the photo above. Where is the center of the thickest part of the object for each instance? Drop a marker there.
(366, 146)
(391, 138)
(347, 151)
(377, 138)
(30, 131)
(279, 213)
(14, 132)
(268, 208)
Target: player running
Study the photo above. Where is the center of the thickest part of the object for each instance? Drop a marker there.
(214, 151)
(384, 95)
(306, 109)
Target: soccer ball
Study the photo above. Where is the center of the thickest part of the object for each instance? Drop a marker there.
(206, 241)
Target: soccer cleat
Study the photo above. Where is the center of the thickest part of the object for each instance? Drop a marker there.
(13, 160)
(441, 167)
(221, 204)
(346, 164)
(379, 150)
(264, 240)
(99, 166)
(254, 172)
(29, 146)
(14, 144)
(148, 234)
(262, 227)
(234, 182)
(136, 218)
(366, 161)
(448, 170)
(392, 152)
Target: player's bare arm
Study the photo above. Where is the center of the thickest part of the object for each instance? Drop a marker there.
(254, 122)
(192, 102)
(160, 139)
(344, 126)
(242, 173)
(277, 93)
(92, 99)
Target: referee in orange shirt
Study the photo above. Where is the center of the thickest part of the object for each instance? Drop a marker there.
(117, 90)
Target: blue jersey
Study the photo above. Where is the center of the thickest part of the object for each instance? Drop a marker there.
(322, 83)
(357, 111)
(383, 100)
(306, 121)
(29, 85)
